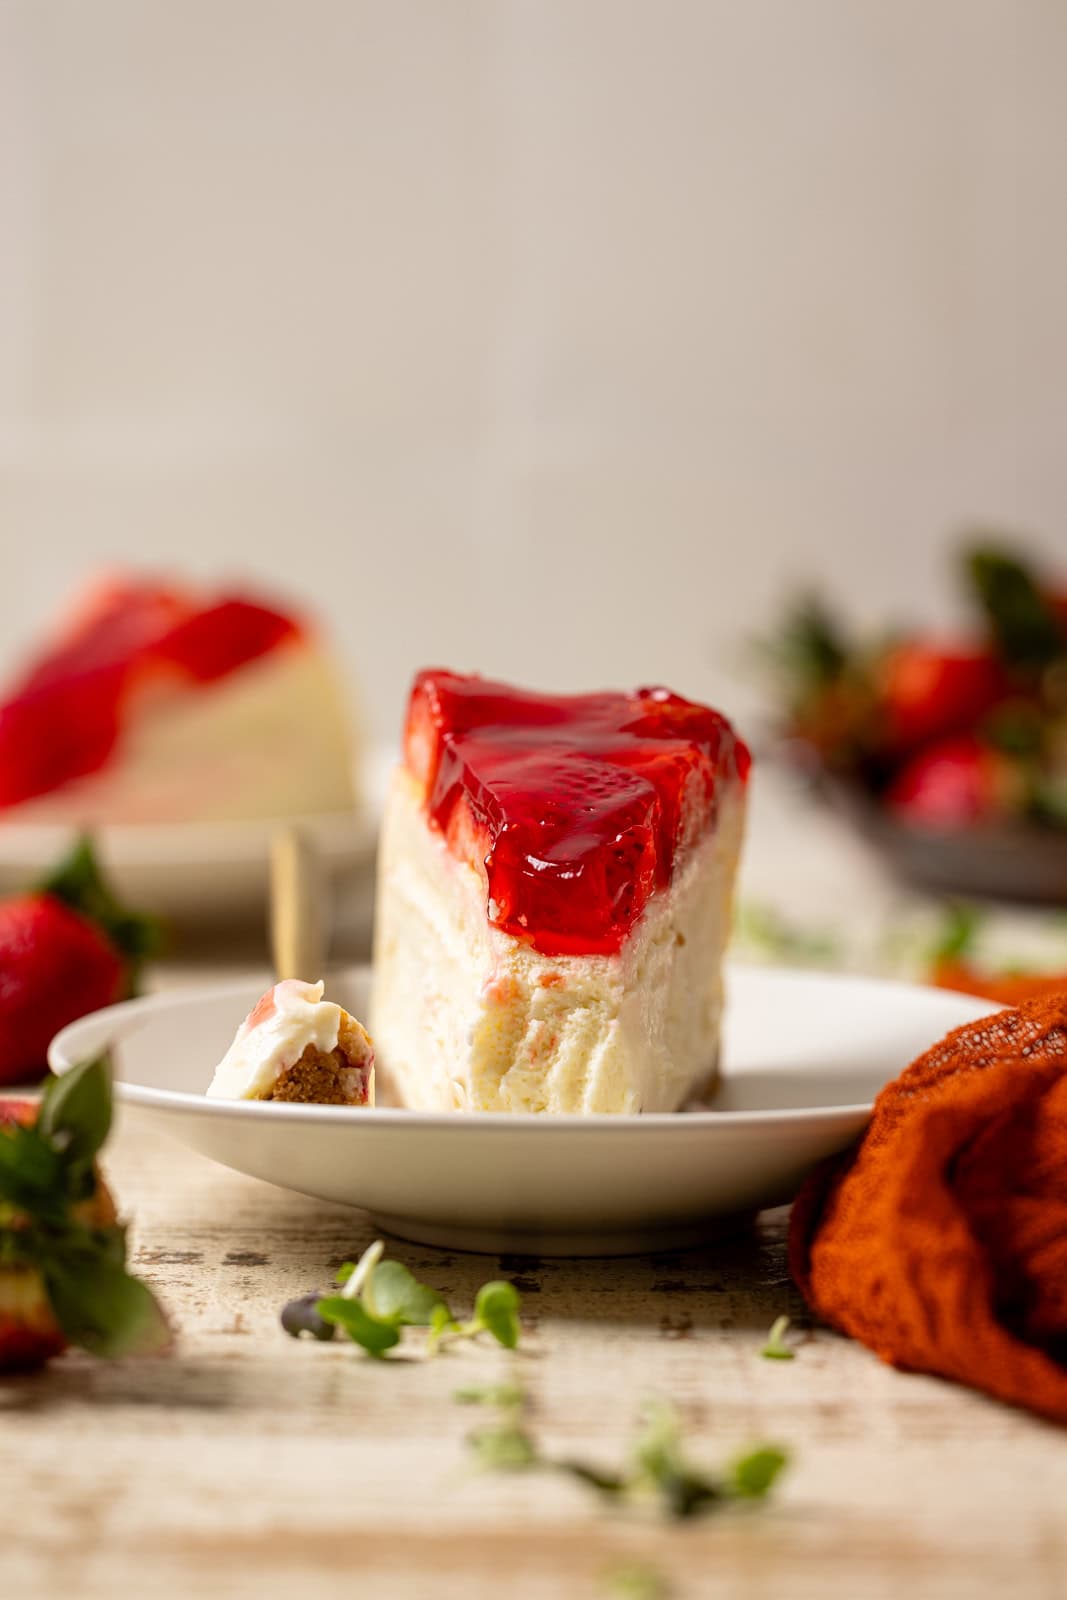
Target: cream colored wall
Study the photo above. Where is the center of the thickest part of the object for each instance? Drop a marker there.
(548, 338)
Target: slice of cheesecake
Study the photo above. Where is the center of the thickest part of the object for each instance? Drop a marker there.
(158, 704)
(296, 1046)
(554, 897)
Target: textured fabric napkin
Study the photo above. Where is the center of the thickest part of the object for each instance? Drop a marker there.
(941, 1240)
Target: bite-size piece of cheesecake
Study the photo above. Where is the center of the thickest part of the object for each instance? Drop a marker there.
(152, 702)
(296, 1046)
(554, 897)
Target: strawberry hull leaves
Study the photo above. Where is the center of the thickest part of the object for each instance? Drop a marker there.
(1022, 618)
(32, 1176)
(79, 883)
(75, 1114)
(57, 1220)
(99, 1305)
(46, 1166)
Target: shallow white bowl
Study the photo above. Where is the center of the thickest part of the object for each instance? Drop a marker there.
(804, 1055)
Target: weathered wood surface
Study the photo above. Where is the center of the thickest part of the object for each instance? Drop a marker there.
(249, 1465)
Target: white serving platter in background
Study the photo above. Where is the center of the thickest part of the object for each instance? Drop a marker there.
(804, 1054)
(190, 872)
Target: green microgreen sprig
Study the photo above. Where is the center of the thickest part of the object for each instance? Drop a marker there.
(506, 1396)
(377, 1299)
(776, 1348)
(496, 1312)
(764, 931)
(637, 1581)
(656, 1465)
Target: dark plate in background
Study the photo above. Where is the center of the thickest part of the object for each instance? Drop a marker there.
(1008, 861)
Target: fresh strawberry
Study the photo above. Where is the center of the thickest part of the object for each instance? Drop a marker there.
(63, 1276)
(927, 691)
(55, 965)
(66, 948)
(823, 682)
(953, 783)
(29, 1333)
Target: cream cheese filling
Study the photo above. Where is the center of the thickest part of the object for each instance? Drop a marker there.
(468, 1018)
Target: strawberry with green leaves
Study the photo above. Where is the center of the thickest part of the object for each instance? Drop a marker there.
(929, 690)
(954, 784)
(947, 734)
(63, 1277)
(66, 948)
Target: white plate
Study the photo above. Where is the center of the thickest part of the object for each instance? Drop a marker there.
(804, 1055)
(187, 871)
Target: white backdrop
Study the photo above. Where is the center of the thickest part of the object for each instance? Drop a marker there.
(550, 338)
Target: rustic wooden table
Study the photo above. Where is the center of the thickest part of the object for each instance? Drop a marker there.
(250, 1465)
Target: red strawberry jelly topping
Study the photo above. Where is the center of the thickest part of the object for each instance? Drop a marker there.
(64, 718)
(575, 804)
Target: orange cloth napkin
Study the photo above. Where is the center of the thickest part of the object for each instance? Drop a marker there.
(1006, 990)
(941, 1240)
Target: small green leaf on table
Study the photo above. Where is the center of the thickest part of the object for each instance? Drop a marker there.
(351, 1317)
(776, 1348)
(393, 1294)
(497, 1310)
(752, 1476)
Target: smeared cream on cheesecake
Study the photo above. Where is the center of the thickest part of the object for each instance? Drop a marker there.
(554, 898)
(296, 1046)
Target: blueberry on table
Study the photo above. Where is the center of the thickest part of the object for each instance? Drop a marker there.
(301, 1316)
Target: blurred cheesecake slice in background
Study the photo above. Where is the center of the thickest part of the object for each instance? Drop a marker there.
(555, 884)
(157, 703)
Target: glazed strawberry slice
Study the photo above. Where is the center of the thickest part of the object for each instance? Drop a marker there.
(574, 805)
(64, 717)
